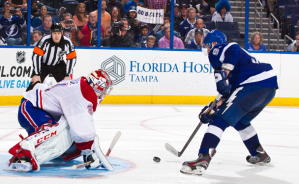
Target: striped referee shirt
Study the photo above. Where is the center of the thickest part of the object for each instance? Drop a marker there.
(50, 53)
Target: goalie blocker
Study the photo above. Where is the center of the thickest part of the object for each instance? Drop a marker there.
(49, 143)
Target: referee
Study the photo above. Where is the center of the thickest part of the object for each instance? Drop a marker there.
(48, 57)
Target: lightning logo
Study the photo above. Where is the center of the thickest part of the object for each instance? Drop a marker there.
(231, 99)
(12, 30)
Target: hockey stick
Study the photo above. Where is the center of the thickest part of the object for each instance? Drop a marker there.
(172, 150)
(114, 141)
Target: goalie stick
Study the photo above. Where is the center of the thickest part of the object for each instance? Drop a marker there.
(114, 141)
(172, 150)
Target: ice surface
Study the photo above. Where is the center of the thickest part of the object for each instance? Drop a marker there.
(146, 129)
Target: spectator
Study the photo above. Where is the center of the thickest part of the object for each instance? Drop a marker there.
(161, 33)
(115, 15)
(294, 47)
(20, 4)
(80, 17)
(256, 42)
(36, 36)
(34, 10)
(222, 13)
(199, 25)
(38, 20)
(196, 43)
(46, 25)
(122, 38)
(88, 34)
(180, 16)
(154, 4)
(115, 3)
(141, 38)
(189, 23)
(150, 42)
(131, 16)
(177, 10)
(11, 25)
(165, 40)
(131, 3)
(105, 16)
(69, 28)
(270, 4)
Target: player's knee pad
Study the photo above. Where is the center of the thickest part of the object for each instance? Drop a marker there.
(44, 145)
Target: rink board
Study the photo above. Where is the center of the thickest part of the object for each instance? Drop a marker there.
(147, 76)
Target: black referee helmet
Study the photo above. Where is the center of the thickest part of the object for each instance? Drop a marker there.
(56, 27)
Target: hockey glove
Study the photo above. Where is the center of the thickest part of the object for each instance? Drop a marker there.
(204, 116)
(222, 87)
(89, 155)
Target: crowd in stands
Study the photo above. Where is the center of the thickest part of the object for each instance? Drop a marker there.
(119, 24)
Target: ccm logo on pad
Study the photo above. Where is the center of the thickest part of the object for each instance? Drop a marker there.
(42, 139)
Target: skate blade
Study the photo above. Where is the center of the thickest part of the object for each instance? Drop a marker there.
(188, 170)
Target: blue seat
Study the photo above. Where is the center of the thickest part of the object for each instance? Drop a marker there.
(290, 9)
(210, 25)
(285, 2)
(232, 34)
(207, 18)
(227, 26)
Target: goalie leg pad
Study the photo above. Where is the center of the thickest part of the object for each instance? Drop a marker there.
(45, 145)
(97, 149)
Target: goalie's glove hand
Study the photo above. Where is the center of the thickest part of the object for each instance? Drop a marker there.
(206, 117)
(89, 155)
(222, 87)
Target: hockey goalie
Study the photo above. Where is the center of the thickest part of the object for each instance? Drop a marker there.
(59, 122)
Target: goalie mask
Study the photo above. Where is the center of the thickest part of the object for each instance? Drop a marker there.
(101, 83)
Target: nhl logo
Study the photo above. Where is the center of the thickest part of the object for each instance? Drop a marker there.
(21, 57)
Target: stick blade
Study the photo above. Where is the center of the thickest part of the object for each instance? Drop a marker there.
(172, 150)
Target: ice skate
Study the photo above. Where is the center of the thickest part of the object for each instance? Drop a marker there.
(197, 166)
(261, 158)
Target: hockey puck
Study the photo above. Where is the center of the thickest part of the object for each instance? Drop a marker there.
(156, 159)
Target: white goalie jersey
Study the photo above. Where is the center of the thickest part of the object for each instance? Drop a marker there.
(74, 99)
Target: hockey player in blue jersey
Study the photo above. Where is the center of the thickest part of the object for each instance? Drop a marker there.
(246, 86)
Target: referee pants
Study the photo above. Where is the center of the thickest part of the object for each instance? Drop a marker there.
(58, 71)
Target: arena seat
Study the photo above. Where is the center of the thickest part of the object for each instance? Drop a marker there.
(227, 26)
(210, 25)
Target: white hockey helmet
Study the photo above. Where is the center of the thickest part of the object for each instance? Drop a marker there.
(101, 83)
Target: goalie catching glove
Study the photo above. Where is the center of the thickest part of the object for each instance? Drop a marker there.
(222, 86)
(205, 115)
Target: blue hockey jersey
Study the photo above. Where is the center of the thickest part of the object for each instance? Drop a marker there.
(185, 27)
(11, 27)
(245, 69)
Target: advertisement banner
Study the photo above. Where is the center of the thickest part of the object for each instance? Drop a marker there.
(15, 71)
(150, 15)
